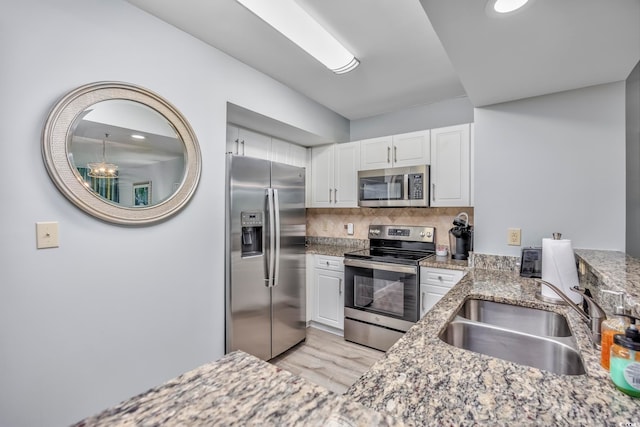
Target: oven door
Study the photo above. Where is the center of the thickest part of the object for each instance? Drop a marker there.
(380, 288)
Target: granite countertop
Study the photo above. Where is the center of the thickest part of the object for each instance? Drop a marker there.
(421, 380)
(425, 381)
(242, 390)
(330, 250)
(615, 271)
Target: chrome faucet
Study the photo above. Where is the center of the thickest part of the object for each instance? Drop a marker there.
(595, 316)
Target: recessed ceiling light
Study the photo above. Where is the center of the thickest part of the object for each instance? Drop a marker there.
(506, 6)
(136, 136)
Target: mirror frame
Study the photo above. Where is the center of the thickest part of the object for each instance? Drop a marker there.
(55, 153)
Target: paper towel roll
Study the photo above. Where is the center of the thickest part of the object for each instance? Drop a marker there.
(559, 268)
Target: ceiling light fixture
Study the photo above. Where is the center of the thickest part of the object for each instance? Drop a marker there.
(103, 169)
(506, 6)
(137, 136)
(294, 23)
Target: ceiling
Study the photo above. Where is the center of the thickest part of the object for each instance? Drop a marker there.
(417, 52)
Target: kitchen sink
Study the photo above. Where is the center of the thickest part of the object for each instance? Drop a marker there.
(532, 337)
(522, 319)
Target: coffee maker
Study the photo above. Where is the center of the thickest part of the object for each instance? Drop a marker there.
(461, 237)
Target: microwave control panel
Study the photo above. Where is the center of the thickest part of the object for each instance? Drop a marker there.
(416, 186)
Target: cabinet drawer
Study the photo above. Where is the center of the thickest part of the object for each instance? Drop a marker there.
(440, 276)
(329, 262)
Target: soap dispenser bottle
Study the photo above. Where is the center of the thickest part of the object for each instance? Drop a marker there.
(610, 327)
(625, 360)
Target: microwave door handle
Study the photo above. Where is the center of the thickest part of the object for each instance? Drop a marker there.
(276, 258)
(405, 185)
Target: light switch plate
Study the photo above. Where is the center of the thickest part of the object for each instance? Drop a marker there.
(46, 235)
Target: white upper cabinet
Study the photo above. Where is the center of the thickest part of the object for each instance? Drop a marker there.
(286, 152)
(407, 149)
(243, 142)
(334, 175)
(450, 166)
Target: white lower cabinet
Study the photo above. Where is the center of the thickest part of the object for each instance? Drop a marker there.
(434, 283)
(328, 291)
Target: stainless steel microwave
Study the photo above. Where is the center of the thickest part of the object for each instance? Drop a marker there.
(394, 187)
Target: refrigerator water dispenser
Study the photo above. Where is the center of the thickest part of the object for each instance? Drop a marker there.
(251, 235)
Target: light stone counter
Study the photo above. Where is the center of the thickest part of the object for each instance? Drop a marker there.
(239, 390)
(425, 381)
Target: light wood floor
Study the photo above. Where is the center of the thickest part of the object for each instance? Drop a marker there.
(328, 360)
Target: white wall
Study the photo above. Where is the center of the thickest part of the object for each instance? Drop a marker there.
(115, 309)
(552, 163)
(633, 161)
(439, 114)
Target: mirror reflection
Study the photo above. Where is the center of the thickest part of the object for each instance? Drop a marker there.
(127, 153)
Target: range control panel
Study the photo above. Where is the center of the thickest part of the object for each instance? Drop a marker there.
(402, 232)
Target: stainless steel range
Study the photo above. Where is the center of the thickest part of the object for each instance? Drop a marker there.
(382, 284)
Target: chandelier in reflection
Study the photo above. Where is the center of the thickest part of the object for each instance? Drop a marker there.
(103, 169)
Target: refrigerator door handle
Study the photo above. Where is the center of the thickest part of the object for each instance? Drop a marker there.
(276, 258)
(271, 256)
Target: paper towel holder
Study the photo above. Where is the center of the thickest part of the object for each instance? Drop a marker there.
(557, 236)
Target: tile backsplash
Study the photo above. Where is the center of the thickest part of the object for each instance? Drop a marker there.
(331, 222)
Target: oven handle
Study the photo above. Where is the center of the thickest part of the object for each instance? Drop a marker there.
(397, 268)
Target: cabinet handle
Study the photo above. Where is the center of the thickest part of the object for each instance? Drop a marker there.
(237, 146)
(327, 263)
(395, 154)
(335, 195)
(330, 190)
(339, 286)
(433, 192)
(422, 300)
(388, 154)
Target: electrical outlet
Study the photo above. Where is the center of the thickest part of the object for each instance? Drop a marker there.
(513, 237)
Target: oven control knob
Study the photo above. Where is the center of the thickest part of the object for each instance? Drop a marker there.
(422, 234)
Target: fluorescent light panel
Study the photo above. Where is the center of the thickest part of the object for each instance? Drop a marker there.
(294, 23)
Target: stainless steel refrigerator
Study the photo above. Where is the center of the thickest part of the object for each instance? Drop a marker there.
(265, 256)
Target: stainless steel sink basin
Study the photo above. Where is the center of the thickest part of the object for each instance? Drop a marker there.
(517, 334)
(523, 319)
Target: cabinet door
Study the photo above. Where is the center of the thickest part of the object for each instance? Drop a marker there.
(297, 155)
(346, 165)
(376, 153)
(329, 298)
(450, 166)
(233, 140)
(411, 149)
(322, 176)
(429, 296)
(280, 151)
(253, 144)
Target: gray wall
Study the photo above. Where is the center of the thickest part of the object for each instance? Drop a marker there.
(552, 163)
(445, 113)
(633, 161)
(114, 310)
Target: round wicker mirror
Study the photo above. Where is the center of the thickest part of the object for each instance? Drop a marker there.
(121, 153)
